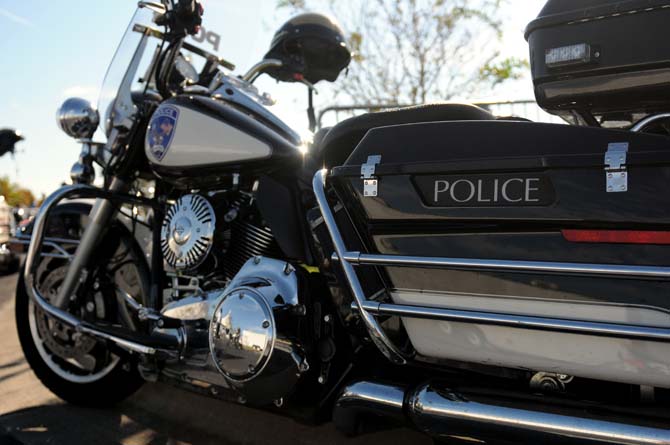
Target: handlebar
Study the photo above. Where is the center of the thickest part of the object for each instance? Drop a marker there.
(259, 68)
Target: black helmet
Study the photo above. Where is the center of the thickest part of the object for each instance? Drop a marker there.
(312, 47)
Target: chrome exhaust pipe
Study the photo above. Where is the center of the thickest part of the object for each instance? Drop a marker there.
(443, 413)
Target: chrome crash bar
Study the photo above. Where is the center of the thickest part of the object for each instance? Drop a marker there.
(369, 309)
(35, 250)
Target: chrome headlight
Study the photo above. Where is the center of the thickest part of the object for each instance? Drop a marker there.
(77, 118)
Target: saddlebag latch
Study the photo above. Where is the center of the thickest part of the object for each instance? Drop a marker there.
(370, 181)
(616, 174)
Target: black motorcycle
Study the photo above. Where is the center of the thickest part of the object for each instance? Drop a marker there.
(475, 277)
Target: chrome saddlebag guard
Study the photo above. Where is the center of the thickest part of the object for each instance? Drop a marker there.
(513, 244)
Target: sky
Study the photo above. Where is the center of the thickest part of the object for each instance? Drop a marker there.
(53, 50)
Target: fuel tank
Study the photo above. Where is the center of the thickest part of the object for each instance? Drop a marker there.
(195, 139)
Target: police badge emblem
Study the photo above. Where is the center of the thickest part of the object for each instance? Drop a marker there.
(161, 130)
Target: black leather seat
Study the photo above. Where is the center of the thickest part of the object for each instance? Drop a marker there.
(332, 147)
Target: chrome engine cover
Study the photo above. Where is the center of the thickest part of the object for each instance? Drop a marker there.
(242, 334)
(239, 338)
(187, 232)
(247, 341)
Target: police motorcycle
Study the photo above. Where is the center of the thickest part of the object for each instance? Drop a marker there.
(477, 278)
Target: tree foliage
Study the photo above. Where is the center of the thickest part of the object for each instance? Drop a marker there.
(414, 51)
(14, 194)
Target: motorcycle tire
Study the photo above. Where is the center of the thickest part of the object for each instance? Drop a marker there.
(110, 389)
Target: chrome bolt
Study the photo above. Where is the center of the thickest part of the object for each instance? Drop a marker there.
(288, 269)
(90, 306)
(257, 259)
(623, 187)
(609, 188)
(609, 175)
(321, 379)
(96, 285)
(213, 390)
(266, 324)
(326, 318)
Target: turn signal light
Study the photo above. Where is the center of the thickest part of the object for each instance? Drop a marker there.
(617, 236)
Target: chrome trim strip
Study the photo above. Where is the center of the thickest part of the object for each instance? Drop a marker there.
(520, 321)
(358, 258)
(376, 333)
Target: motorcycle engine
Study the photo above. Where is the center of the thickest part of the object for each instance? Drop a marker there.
(214, 235)
(243, 317)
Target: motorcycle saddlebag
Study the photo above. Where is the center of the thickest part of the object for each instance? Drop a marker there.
(521, 192)
(601, 56)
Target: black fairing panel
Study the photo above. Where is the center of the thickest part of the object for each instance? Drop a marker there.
(280, 206)
(400, 221)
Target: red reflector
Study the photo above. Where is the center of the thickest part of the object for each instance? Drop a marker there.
(617, 236)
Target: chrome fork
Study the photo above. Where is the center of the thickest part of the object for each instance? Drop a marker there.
(100, 216)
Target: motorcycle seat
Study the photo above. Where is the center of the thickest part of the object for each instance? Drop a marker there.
(333, 146)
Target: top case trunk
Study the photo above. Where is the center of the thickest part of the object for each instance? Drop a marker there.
(601, 56)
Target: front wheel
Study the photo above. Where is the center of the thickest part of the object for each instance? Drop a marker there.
(77, 368)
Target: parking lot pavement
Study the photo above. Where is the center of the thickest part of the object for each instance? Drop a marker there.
(155, 415)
